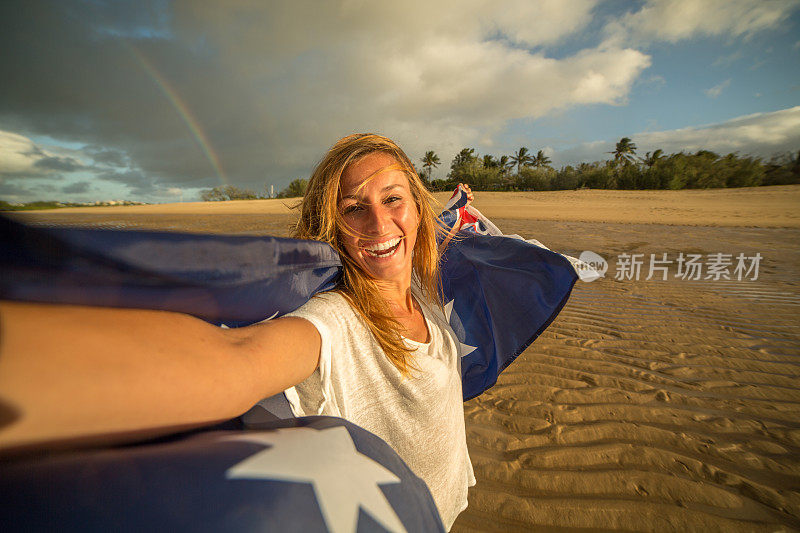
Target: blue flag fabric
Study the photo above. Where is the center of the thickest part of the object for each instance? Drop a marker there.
(307, 474)
(500, 293)
(224, 279)
(497, 305)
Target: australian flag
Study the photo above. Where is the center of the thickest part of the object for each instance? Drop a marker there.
(256, 473)
(500, 292)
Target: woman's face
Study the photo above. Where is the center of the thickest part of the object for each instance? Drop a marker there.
(376, 203)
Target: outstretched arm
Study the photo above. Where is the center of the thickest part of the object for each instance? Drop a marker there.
(72, 372)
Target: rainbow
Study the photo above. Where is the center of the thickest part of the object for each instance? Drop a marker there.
(182, 109)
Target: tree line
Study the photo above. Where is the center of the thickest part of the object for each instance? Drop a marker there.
(625, 169)
(224, 193)
(523, 171)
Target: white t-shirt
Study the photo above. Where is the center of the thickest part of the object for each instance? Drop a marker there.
(421, 416)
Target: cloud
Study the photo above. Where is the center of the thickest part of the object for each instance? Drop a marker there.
(18, 154)
(655, 81)
(104, 156)
(758, 134)
(137, 181)
(676, 20)
(728, 60)
(532, 23)
(63, 164)
(761, 134)
(31, 171)
(265, 88)
(716, 90)
(21, 157)
(191, 94)
(76, 188)
(20, 189)
(13, 191)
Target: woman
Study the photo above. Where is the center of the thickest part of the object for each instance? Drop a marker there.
(376, 350)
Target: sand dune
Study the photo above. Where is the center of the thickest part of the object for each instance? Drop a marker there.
(647, 405)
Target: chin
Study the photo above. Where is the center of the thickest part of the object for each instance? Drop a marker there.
(388, 272)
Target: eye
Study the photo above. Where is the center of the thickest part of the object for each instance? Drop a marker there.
(351, 209)
(392, 199)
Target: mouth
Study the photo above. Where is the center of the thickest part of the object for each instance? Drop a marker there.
(383, 249)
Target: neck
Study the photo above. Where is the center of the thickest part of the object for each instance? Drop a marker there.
(398, 295)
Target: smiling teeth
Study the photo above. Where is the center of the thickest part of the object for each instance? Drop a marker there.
(383, 245)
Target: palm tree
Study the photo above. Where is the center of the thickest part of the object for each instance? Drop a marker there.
(521, 158)
(504, 163)
(541, 160)
(489, 161)
(625, 151)
(652, 159)
(430, 159)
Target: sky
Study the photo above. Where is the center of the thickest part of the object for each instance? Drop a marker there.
(155, 100)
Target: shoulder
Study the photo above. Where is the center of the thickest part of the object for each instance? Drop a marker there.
(323, 303)
(330, 312)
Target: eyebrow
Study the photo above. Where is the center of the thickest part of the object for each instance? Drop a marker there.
(354, 197)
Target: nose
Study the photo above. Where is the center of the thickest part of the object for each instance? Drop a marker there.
(377, 220)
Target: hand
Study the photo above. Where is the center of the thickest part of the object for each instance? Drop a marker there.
(470, 196)
(459, 221)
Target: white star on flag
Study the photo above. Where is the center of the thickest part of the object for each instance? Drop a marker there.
(343, 478)
(464, 349)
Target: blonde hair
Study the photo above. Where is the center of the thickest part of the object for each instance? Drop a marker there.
(321, 220)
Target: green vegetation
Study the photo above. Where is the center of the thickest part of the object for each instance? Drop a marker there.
(625, 170)
(541, 160)
(47, 204)
(522, 171)
(296, 189)
(224, 193)
(31, 206)
(521, 159)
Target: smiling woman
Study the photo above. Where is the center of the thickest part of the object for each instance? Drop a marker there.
(388, 359)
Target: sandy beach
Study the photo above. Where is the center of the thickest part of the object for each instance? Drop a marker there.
(774, 206)
(648, 405)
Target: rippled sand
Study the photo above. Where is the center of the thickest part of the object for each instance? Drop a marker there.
(650, 405)
(647, 405)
